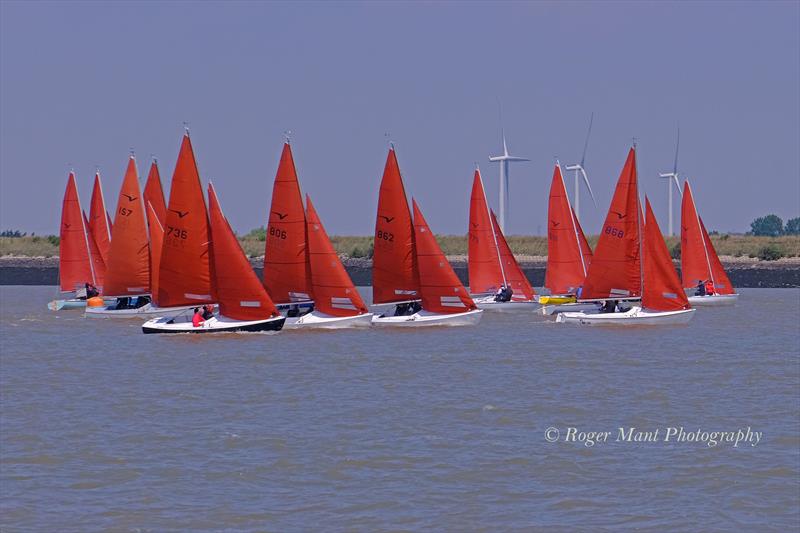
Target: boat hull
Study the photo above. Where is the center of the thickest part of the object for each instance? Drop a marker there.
(73, 303)
(636, 316)
(488, 303)
(220, 324)
(317, 320)
(554, 309)
(714, 300)
(146, 311)
(426, 318)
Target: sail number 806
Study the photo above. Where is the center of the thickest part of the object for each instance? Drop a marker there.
(278, 233)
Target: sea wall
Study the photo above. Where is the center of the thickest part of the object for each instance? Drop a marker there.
(743, 272)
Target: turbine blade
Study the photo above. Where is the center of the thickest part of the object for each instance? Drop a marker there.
(588, 186)
(586, 143)
(677, 185)
(677, 145)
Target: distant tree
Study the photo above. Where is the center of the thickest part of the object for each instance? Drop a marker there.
(770, 225)
(792, 226)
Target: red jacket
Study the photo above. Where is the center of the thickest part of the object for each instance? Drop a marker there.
(197, 319)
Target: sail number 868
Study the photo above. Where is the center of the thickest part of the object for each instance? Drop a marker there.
(614, 232)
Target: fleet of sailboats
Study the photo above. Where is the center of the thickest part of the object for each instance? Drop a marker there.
(164, 261)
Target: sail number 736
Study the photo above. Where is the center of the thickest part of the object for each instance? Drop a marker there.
(176, 233)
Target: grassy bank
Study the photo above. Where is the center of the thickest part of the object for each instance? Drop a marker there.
(355, 246)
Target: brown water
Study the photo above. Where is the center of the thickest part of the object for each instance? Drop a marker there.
(102, 427)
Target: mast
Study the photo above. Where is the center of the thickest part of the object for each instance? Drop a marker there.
(86, 240)
(639, 222)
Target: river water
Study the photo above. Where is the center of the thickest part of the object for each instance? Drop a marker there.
(102, 427)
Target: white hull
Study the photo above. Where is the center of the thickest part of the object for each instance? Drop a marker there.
(426, 318)
(217, 324)
(72, 303)
(633, 317)
(554, 309)
(488, 303)
(714, 300)
(318, 320)
(146, 311)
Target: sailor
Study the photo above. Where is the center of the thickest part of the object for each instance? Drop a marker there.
(401, 309)
(208, 311)
(609, 306)
(414, 307)
(123, 303)
(701, 288)
(91, 291)
(709, 287)
(503, 293)
(197, 318)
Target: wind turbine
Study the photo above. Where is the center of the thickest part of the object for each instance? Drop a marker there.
(504, 161)
(672, 177)
(580, 171)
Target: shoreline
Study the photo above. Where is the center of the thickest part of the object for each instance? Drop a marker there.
(743, 272)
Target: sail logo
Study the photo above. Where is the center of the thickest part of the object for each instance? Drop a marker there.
(180, 214)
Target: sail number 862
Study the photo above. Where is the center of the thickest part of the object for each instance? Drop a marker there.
(385, 235)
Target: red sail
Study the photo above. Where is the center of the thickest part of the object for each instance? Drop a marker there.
(241, 294)
(154, 192)
(98, 265)
(185, 273)
(128, 267)
(394, 269)
(74, 266)
(586, 250)
(334, 292)
(286, 275)
(486, 274)
(156, 243)
(616, 265)
(699, 260)
(98, 220)
(441, 290)
(722, 285)
(662, 287)
(566, 259)
(514, 274)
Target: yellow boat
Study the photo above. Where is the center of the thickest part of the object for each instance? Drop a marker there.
(557, 299)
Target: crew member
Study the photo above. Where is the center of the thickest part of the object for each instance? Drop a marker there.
(197, 318)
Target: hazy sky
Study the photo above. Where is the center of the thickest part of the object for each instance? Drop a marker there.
(83, 82)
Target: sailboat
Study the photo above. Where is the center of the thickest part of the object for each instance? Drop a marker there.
(75, 266)
(301, 269)
(244, 305)
(490, 261)
(699, 259)
(128, 267)
(409, 264)
(631, 263)
(568, 252)
(286, 267)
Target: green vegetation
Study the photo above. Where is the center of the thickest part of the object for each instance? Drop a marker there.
(792, 226)
(522, 245)
(770, 226)
(770, 252)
